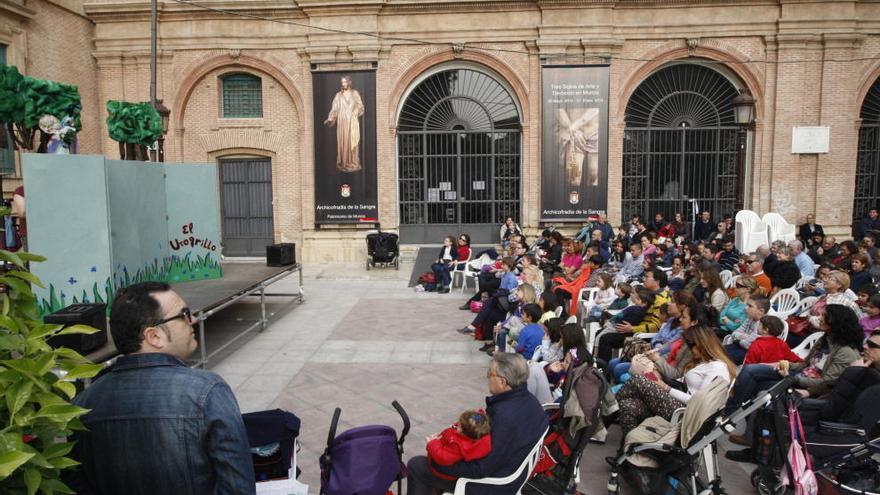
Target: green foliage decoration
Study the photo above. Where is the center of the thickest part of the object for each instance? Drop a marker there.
(134, 123)
(36, 417)
(24, 100)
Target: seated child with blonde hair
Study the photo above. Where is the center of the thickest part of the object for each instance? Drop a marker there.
(466, 440)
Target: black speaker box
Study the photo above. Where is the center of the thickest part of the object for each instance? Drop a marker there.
(281, 254)
(93, 315)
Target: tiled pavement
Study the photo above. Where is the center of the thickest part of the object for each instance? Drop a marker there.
(363, 339)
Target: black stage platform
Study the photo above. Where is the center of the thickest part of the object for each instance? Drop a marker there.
(207, 297)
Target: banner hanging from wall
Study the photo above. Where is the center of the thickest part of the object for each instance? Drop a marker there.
(574, 175)
(344, 107)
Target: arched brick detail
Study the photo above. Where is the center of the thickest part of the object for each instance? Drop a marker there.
(188, 84)
(864, 88)
(500, 67)
(746, 75)
(257, 139)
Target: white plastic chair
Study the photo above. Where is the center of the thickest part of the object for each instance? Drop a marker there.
(777, 228)
(806, 304)
(807, 344)
(802, 282)
(786, 302)
(750, 231)
(585, 301)
(526, 467)
(592, 334)
(726, 278)
(558, 311)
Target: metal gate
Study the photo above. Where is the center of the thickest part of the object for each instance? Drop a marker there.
(246, 197)
(867, 190)
(681, 144)
(458, 149)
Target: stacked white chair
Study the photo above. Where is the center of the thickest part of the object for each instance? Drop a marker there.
(778, 229)
(750, 232)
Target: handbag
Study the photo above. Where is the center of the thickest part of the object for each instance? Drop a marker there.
(803, 479)
(633, 346)
(798, 325)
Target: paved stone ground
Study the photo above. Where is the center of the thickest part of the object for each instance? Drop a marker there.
(361, 340)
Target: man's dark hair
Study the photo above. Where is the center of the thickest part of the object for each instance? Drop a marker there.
(727, 216)
(660, 276)
(597, 260)
(728, 239)
(133, 310)
(773, 325)
(534, 312)
(637, 244)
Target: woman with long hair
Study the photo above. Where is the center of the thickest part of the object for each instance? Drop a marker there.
(649, 395)
(714, 288)
(829, 356)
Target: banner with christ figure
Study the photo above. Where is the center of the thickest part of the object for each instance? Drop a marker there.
(574, 174)
(344, 108)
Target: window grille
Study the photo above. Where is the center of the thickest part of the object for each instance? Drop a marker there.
(242, 96)
(681, 143)
(867, 188)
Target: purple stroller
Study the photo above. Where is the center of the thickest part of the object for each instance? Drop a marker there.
(365, 460)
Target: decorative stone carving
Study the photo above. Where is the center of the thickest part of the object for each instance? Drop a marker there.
(234, 53)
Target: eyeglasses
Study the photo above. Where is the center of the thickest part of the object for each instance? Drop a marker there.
(751, 260)
(185, 313)
(872, 344)
(741, 286)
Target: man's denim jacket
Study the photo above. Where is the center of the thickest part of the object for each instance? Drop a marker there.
(159, 427)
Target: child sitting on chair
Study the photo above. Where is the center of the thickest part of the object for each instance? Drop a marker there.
(768, 348)
(466, 440)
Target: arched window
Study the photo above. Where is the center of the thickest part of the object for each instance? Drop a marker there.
(867, 191)
(458, 144)
(242, 96)
(681, 144)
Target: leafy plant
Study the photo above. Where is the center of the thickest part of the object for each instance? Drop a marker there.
(36, 416)
(135, 123)
(24, 100)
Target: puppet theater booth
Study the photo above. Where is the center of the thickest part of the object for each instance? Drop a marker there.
(106, 224)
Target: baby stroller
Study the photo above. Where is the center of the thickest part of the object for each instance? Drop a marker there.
(272, 438)
(662, 457)
(383, 250)
(558, 469)
(365, 460)
(842, 450)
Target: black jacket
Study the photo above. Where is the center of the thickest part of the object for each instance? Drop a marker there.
(840, 405)
(806, 235)
(453, 251)
(518, 421)
(702, 231)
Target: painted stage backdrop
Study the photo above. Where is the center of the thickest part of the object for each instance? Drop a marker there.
(106, 224)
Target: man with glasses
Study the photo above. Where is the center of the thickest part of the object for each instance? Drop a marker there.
(156, 425)
(517, 422)
(755, 268)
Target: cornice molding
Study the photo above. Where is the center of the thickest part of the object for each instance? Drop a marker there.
(16, 9)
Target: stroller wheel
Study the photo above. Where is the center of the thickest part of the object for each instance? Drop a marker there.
(369, 265)
(397, 262)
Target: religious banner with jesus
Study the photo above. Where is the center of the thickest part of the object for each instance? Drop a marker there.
(344, 107)
(574, 174)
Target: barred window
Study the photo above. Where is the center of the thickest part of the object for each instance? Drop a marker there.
(242, 96)
(2, 54)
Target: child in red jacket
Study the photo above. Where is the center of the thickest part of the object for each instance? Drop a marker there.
(768, 347)
(467, 440)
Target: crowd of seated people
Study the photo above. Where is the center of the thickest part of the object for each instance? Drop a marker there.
(677, 306)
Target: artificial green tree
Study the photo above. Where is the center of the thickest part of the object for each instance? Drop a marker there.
(25, 100)
(135, 126)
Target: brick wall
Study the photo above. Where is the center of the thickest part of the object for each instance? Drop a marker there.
(641, 38)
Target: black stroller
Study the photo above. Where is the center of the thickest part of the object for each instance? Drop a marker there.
(683, 459)
(842, 452)
(365, 460)
(383, 250)
(558, 470)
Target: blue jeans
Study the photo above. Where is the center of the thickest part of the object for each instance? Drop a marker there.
(751, 379)
(618, 367)
(736, 353)
(442, 272)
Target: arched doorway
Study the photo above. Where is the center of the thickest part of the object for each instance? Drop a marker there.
(681, 144)
(246, 205)
(458, 148)
(867, 190)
